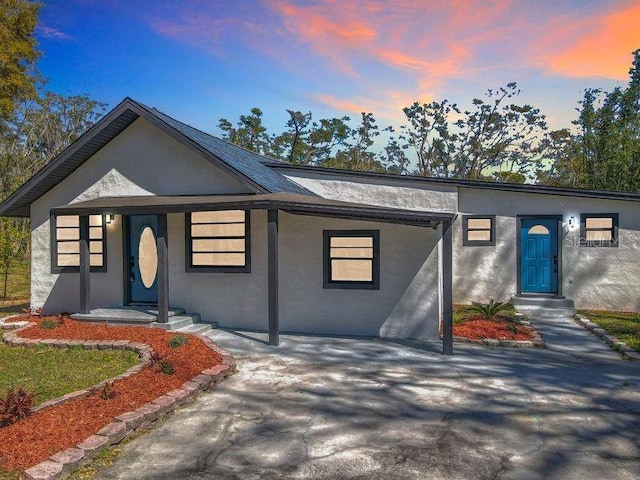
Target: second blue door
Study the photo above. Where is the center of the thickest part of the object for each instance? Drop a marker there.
(539, 255)
(143, 259)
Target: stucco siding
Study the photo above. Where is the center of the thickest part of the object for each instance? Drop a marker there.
(142, 160)
(237, 300)
(594, 277)
(381, 192)
(406, 306)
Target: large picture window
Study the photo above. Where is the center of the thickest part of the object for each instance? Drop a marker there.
(599, 230)
(352, 259)
(218, 241)
(478, 230)
(66, 243)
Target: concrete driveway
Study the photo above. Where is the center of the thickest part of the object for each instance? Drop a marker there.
(332, 408)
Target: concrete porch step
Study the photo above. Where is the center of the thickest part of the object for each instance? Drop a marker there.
(177, 322)
(196, 328)
(131, 315)
(542, 303)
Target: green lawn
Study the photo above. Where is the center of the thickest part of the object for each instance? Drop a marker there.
(624, 325)
(18, 282)
(52, 372)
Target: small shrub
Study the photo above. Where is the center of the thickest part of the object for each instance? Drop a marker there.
(166, 367)
(489, 310)
(177, 341)
(512, 327)
(18, 404)
(49, 323)
(161, 364)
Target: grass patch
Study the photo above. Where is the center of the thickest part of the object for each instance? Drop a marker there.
(105, 458)
(18, 282)
(5, 475)
(461, 312)
(52, 372)
(624, 325)
(18, 291)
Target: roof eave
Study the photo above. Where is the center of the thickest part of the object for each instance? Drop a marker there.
(11, 206)
(294, 204)
(6, 207)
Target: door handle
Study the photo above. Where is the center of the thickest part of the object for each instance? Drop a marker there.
(132, 264)
(555, 264)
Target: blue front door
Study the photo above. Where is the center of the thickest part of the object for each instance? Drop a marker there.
(539, 255)
(143, 259)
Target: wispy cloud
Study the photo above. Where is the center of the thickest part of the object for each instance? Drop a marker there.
(388, 104)
(405, 35)
(352, 106)
(53, 33)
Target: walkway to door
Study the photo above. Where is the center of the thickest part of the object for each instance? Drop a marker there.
(562, 334)
(322, 408)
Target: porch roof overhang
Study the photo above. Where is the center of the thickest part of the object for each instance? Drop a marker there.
(288, 202)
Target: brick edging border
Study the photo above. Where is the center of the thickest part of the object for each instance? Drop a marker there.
(537, 341)
(68, 460)
(626, 352)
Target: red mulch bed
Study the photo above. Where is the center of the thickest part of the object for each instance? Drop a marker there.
(33, 440)
(478, 329)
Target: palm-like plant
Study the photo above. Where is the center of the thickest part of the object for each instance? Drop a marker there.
(489, 310)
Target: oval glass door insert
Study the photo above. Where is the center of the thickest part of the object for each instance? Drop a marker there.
(147, 257)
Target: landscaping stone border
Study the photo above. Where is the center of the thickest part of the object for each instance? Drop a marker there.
(537, 341)
(68, 460)
(626, 352)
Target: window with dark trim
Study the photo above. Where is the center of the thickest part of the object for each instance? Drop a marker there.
(352, 259)
(218, 241)
(599, 230)
(478, 230)
(65, 243)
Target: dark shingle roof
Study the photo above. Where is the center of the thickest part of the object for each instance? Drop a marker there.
(247, 166)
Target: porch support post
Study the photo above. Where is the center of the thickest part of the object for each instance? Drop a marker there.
(85, 266)
(163, 269)
(272, 254)
(447, 289)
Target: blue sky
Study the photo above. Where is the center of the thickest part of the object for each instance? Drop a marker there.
(199, 60)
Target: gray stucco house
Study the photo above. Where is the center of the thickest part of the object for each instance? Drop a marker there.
(145, 210)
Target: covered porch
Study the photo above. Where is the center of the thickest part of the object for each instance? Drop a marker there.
(273, 205)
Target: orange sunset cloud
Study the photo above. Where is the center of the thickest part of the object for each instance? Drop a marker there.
(605, 49)
(352, 54)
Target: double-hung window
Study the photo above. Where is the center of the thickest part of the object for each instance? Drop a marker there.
(218, 241)
(352, 259)
(65, 233)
